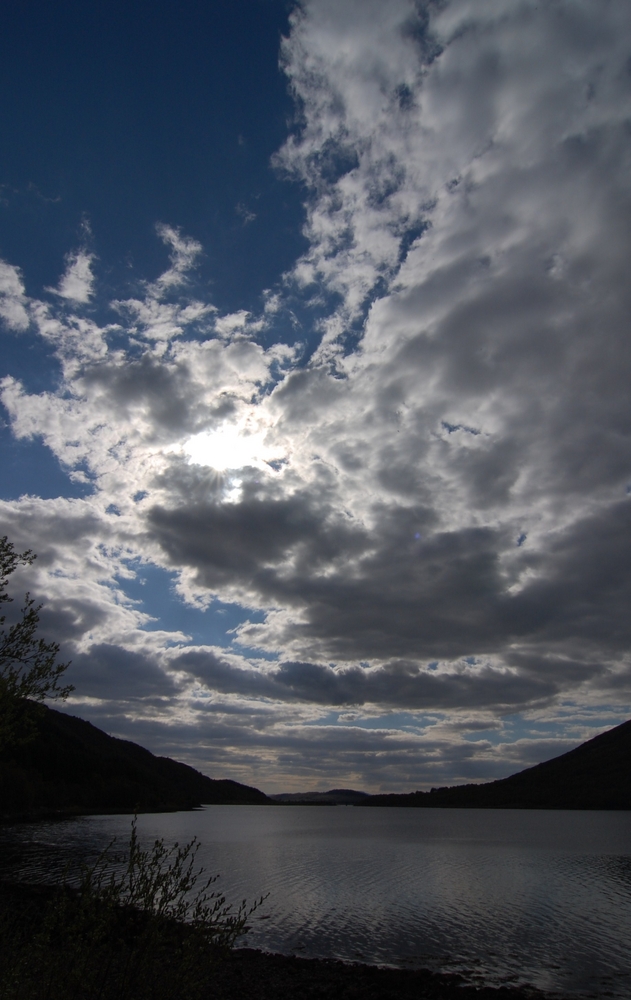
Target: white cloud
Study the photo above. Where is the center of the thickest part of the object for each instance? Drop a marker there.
(13, 301)
(184, 254)
(77, 282)
(159, 321)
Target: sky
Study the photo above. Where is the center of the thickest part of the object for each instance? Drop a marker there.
(316, 376)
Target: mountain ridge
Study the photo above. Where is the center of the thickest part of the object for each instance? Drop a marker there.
(71, 767)
(595, 775)
(334, 797)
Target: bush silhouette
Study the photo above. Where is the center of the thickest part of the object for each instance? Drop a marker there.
(147, 925)
(28, 664)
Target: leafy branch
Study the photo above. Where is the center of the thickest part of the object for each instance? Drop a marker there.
(147, 926)
(28, 664)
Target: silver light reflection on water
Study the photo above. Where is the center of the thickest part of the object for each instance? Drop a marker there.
(498, 895)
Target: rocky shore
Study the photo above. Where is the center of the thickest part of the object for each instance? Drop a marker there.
(227, 975)
(261, 976)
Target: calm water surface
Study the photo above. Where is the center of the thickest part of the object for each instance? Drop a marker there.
(498, 895)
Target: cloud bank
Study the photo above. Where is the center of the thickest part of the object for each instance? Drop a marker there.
(427, 528)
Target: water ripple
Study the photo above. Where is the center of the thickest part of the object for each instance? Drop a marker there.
(500, 897)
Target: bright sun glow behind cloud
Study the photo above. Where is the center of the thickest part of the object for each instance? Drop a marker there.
(228, 447)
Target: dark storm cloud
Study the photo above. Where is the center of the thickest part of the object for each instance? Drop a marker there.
(252, 543)
(120, 675)
(582, 590)
(304, 396)
(396, 592)
(162, 390)
(395, 685)
(47, 528)
(529, 342)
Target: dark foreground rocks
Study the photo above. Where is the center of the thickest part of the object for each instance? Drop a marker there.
(257, 976)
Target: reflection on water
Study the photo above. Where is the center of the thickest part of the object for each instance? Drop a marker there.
(499, 895)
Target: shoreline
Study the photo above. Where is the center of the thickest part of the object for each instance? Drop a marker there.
(266, 976)
(261, 975)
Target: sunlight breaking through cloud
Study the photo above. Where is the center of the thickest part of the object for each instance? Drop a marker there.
(229, 447)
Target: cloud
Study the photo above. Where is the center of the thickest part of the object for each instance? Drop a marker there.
(429, 516)
(13, 302)
(245, 214)
(77, 282)
(474, 119)
(396, 685)
(114, 675)
(184, 254)
(158, 320)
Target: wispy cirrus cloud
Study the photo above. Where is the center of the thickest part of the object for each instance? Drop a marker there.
(13, 300)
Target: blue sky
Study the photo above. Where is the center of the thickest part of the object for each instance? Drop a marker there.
(315, 376)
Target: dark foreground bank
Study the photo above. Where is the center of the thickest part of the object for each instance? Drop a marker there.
(267, 977)
(46, 951)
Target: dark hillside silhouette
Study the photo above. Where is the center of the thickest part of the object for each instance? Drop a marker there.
(334, 797)
(71, 767)
(596, 775)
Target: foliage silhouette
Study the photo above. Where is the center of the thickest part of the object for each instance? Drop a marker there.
(28, 664)
(148, 927)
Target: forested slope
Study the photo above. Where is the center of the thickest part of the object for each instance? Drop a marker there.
(70, 766)
(596, 775)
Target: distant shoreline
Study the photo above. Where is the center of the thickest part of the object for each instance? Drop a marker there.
(60, 816)
(72, 768)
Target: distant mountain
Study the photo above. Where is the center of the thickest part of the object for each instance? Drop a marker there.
(71, 767)
(335, 797)
(596, 775)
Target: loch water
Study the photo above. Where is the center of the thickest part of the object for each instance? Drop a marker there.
(500, 896)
